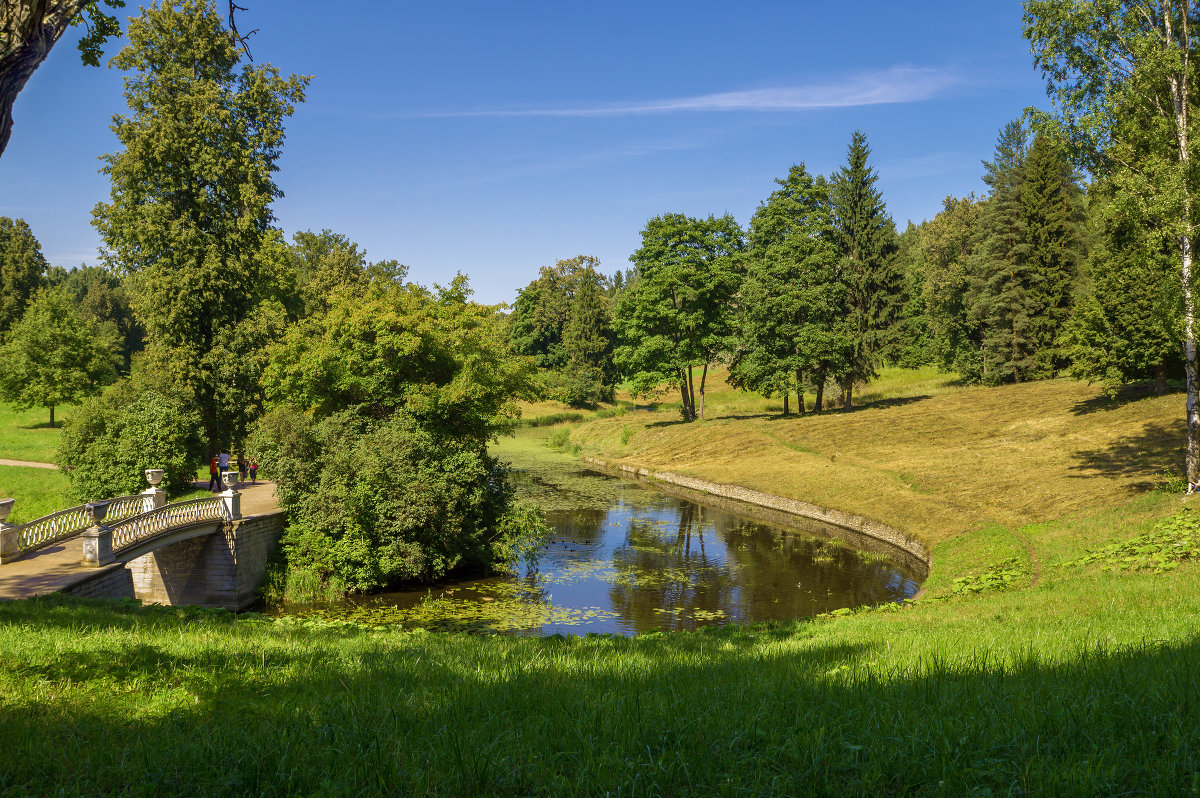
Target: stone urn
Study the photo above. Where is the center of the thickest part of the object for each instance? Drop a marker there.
(6, 506)
(96, 511)
(154, 476)
(230, 478)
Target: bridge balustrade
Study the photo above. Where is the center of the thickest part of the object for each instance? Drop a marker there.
(147, 525)
(67, 523)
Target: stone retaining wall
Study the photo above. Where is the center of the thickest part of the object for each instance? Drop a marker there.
(863, 533)
(112, 582)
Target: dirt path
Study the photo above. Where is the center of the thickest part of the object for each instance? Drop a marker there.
(27, 464)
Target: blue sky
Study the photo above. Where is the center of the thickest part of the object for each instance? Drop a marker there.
(494, 138)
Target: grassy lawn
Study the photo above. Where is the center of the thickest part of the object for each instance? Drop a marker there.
(38, 492)
(27, 435)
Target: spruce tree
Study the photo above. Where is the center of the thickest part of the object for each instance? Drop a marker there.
(1028, 258)
(866, 241)
(588, 343)
(999, 301)
(1051, 211)
(1126, 326)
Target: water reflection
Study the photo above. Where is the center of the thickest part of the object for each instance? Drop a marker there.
(627, 558)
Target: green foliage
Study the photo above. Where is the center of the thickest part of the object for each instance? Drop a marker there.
(54, 356)
(563, 321)
(1026, 261)
(438, 355)
(190, 209)
(1006, 575)
(676, 314)
(792, 320)
(385, 404)
(1127, 323)
(386, 502)
(113, 438)
(22, 270)
(1171, 543)
(865, 237)
(101, 296)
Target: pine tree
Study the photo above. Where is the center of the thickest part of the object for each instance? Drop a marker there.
(866, 241)
(791, 327)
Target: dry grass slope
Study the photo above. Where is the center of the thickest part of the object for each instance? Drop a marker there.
(921, 454)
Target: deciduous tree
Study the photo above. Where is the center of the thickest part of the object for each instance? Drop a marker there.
(190, 211)
(678, 314)
(22, 269)
(55, 356)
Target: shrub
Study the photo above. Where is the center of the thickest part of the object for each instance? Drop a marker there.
(113, 438)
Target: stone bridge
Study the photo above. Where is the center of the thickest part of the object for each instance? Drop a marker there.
(200, 551)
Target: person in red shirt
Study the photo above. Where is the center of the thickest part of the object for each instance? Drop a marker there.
(214, 478)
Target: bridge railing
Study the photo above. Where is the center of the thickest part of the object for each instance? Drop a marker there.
(135, 529)
(67, 523)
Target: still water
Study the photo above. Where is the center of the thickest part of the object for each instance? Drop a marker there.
(627, 558)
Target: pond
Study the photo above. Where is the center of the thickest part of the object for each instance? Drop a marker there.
(627, 558)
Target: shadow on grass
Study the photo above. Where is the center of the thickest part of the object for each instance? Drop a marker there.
(1127, 394)
(765, 710)
(1158, 447)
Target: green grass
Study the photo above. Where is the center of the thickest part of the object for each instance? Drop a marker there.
(27, 435)
(1056, 650)
(1086, 684)
(37, 491)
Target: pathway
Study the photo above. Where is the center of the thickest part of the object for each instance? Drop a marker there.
(27, 464)
(54, 567)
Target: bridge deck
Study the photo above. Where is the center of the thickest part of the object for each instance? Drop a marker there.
(55, 567)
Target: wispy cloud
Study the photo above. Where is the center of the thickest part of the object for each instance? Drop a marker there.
(896, 85)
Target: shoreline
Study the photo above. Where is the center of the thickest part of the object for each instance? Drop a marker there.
(860, 532)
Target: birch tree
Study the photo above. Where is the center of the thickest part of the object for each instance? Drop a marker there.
(1123, 78)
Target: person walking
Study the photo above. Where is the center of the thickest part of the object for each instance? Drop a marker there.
(214, 478)
(253, 465)
(241, 461)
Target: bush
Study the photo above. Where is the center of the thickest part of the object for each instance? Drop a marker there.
(377, 503)
(113, 438)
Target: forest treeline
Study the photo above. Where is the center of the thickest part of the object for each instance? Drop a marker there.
(1043, 275)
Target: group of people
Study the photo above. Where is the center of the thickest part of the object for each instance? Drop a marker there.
(220, 462)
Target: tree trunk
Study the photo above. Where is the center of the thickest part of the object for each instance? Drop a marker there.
(848, 396)
(703, 377)
(33, 37)
(683, 393)
(800, 391)
(1160, 380)
(691, 395)
(1180, 100)
(51, 416)
(820, 405)
(786, 395)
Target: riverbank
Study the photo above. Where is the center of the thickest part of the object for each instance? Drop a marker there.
(972, 473)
